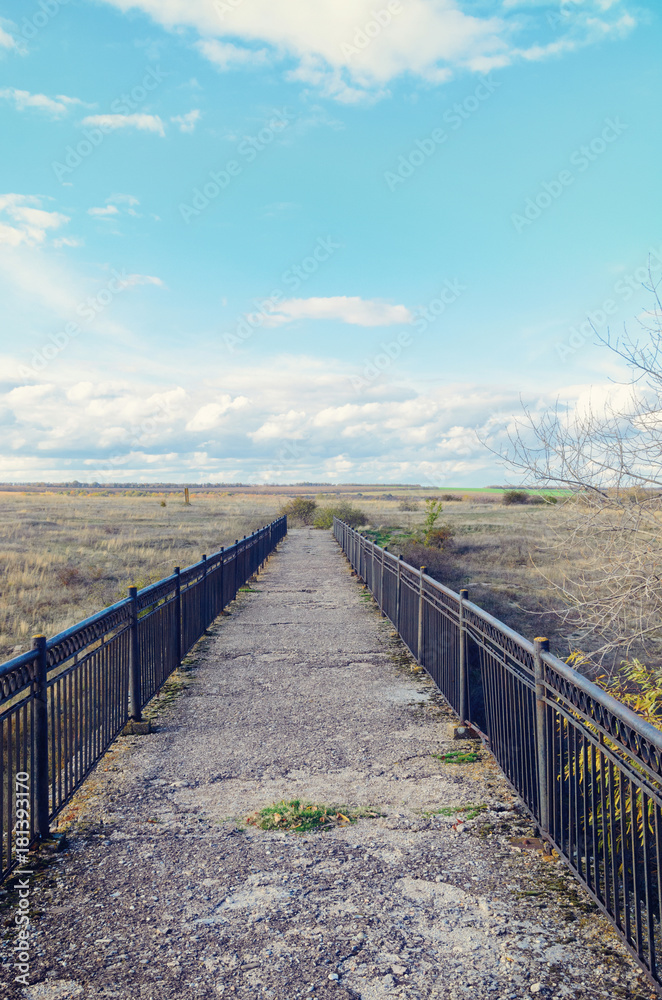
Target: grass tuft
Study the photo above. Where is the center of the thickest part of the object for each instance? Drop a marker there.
(469, 812)
(458, 757)
(301, 817)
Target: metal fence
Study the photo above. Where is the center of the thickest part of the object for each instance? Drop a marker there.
(587, 768)
(63, 702)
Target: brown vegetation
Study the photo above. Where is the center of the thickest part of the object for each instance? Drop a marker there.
(64, 557)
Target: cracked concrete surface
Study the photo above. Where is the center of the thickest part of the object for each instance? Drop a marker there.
(305, 692)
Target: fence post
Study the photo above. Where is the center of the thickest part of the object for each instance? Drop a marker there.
(178, 615)
(464, 686)
(205, 596)
(134, 660)
(540, 646)
(397, 596)
(381, 581)
(421, 605)
(40, 696)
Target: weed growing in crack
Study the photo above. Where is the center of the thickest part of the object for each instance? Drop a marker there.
(301, 817)
(469, 812)
(458, 757)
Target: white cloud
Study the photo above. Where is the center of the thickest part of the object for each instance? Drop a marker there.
(343, 49)
(105, 211)
(209, 416)
(290, 425)
(68, 241)
(7, 41)
(54, 106)
(123, 199)
(348, 309)
(188, 121)
(290, 419)
(303, 420)
(141, 121)
(29, 222)
(141, 279)
(116, 205)
(227, 56)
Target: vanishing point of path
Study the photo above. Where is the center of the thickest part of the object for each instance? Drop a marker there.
(304, 691)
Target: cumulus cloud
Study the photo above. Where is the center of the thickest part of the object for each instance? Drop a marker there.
(29, 221)
(209, 416)
(352, 50)
(53, 106)
(348, 309)
(141, 121)
(291, 419)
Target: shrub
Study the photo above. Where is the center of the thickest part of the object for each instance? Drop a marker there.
(353, 516)
(432, 512)
(538, 499)
(438, 538)
(300, 510)
(515, 496)
(408, 505)
(450, 497)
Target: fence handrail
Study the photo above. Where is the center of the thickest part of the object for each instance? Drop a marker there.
(22, 660)
(611, 704)
(98, 616)
(587, 768)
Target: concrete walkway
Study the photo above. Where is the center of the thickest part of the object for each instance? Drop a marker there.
(304, 692)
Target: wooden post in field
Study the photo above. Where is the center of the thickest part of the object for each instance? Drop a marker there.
(187, 499)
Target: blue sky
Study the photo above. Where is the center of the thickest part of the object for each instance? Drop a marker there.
(275, 240)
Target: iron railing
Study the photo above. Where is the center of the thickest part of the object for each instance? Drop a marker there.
(63, 702)
(588, 770)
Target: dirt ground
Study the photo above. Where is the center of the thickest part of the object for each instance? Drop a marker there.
(303, 691)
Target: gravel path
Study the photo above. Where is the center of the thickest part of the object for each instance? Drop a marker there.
(305, 692)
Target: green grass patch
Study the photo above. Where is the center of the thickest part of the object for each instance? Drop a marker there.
(469, 812)
(301, 817)
(458, 757)
(385, 536)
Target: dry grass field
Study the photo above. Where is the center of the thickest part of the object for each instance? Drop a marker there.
(65, 555)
